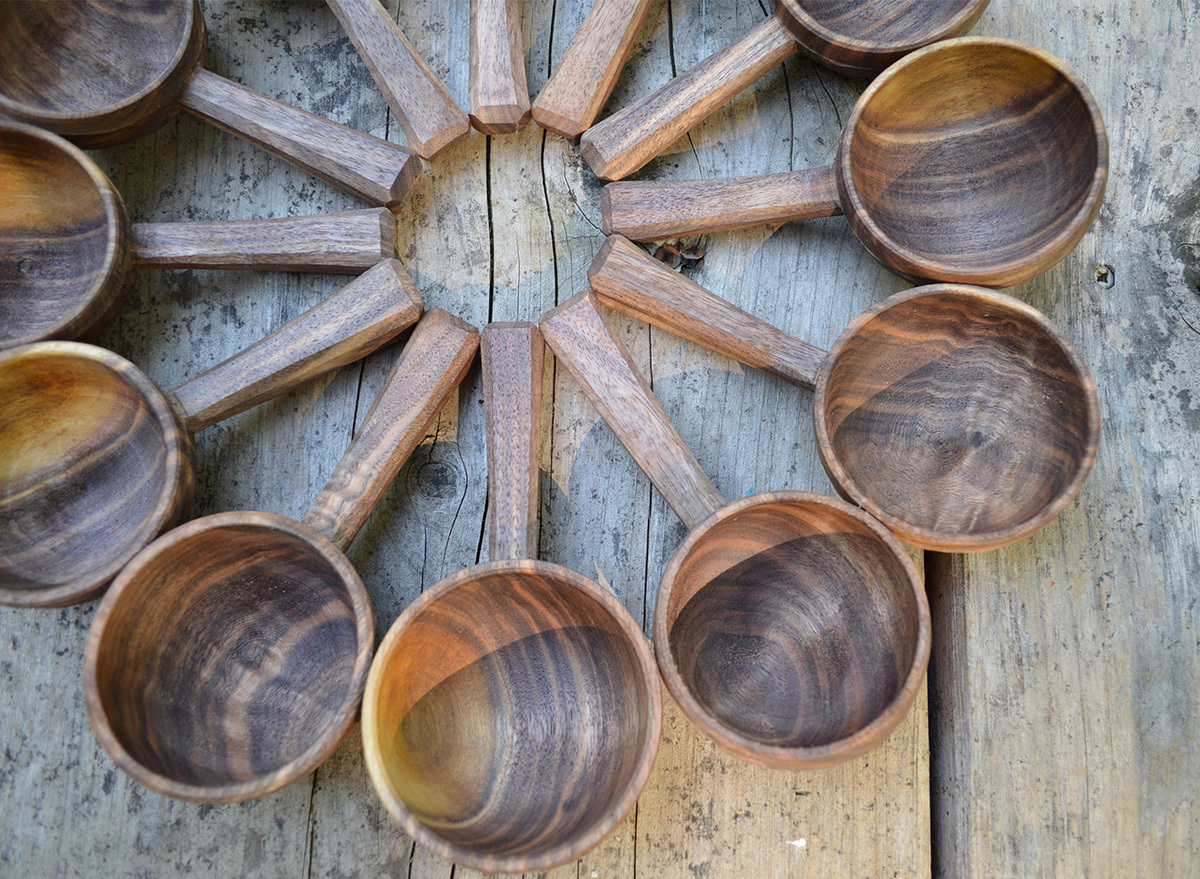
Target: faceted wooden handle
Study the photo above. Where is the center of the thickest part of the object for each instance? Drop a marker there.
(585, 76)
(630, 138)
(350, 242)
(364, 166)
(499, 95)
(432, 365)
(364, 315)
(512, 355)
(429, 116)
(653, 210)
(628, 279)
(583, 340)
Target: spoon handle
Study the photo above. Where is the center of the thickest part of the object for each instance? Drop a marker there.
(499, 95)
(432, 365)
(653, 210)
(350, 242)
(512, 355)
(367, 167)
(633, 136)
(586, 74)
(364, 315)
(583, 340)
(628, 279)
(429, 116)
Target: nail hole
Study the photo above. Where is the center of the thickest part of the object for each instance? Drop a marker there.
(1105, 275)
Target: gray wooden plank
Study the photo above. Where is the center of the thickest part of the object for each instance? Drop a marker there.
(1064, 690)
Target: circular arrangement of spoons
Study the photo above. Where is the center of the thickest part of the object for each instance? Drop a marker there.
(512, 714)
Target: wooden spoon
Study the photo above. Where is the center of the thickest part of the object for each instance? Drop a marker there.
(229, 657)
(498, 92)
(791, 628)
(853, 37)
(68, 250)
(959, 417)
(95, 460)
(429, 116)
(980, 161)
(587, 73)
(105, 73)
(513, 712)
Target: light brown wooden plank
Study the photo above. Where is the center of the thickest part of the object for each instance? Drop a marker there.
(1065, 681)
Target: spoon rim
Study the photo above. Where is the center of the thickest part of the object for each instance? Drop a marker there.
(563, 852)
(929, 538)
(340, 720)
(50, 118)
(879, 53)
(784, 756)
(919, 267)
(177, 469)
(116, 238)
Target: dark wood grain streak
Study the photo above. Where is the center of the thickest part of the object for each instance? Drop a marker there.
(979, 161)
(59, 72)
(961, 418)
(65, 260)
(859, 39)
(513, 712)
(249, 668)
(791, 628)
(95, 460)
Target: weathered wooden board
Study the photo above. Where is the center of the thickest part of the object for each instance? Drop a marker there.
(1066, 721)
(1066, 671)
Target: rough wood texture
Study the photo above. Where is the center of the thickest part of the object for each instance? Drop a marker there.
(249, 670)
(652, 210)
(58, 72)
(424, 109)
(348, 242)
(514, 711)
(586, 74)
(64, 240)
(959, 417)
(855, 38)
(790, 627)
(978, 160)
(499, 94)
(98, 460)
(512, 355)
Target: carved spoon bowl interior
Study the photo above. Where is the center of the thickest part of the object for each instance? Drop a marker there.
(64, 231)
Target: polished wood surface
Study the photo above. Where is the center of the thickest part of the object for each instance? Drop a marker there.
(961, 418)
(97, 460)
(978, 160)
(348, 242)
(650, 210)
(513, 713)
(426, 112)
(621, 144)
(56, 67)
(64, 240)
(248, 670)
(67, 248)
(790, 627)
(512, 355)
(855, 38)
(58, 73)
(499, 94)
(586, 74)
